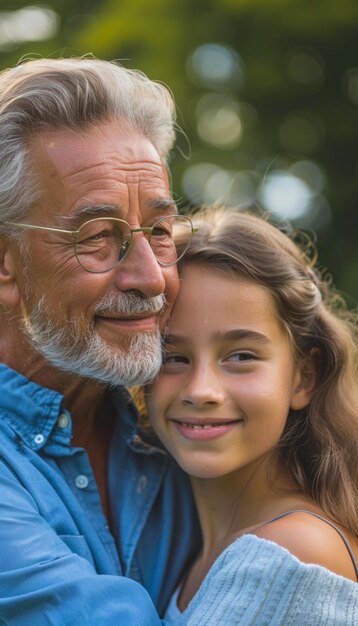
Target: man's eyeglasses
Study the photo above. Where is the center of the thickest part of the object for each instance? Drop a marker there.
(99, 244)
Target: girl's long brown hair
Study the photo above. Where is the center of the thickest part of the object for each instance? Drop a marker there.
(319, 446)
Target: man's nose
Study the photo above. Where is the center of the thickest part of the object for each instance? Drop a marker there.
(140, 270)
(203, 388)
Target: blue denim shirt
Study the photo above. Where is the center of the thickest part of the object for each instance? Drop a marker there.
(59, 563)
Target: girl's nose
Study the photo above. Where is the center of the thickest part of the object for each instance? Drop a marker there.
(203, 389)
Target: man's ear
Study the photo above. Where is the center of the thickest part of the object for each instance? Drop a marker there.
(9, 291)
(306, 380)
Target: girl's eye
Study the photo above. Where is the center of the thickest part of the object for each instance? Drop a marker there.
(241, 357)
(170, 359)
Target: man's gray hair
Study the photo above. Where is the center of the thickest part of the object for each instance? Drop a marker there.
(71, 93)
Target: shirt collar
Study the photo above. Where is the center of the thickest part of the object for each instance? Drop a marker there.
(31, 410)
(35, 414)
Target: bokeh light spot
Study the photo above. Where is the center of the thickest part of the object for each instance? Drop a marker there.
(221, 127)
(32, 23)
(311, 173)
(285, 194)
(207, 183)
(195, 178)
(307, 68)
(215, 64)
(351, 82)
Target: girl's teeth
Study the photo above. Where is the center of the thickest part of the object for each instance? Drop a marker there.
(198, 426)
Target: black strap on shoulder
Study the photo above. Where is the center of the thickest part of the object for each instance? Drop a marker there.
(342, 536)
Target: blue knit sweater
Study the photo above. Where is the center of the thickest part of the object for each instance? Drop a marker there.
(255, 582)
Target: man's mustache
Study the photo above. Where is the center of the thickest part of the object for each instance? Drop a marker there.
(130, 302)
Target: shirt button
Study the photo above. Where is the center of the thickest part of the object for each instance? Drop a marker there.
(63, 420)
(81, 481)
(136, 441)
(142, 483)
(39, 439)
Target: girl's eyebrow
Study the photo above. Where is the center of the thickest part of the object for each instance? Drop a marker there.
(230, 335)
(241, 333)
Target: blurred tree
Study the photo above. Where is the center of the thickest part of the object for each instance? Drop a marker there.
(267, 94)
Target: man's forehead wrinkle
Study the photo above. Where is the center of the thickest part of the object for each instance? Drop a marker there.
(135, 167)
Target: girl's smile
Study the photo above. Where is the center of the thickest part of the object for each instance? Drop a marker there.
(200, 429)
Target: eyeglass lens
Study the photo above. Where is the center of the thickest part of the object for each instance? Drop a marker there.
(103, 242)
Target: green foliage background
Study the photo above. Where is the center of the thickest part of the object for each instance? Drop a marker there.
(159, 37)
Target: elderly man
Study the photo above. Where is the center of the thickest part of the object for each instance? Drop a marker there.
(86, 256)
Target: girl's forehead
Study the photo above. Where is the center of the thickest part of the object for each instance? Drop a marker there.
(211, 298)
(197, 279)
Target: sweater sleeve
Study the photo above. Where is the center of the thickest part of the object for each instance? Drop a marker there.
(255, 582)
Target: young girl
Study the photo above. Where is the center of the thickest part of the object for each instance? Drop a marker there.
(257, 401)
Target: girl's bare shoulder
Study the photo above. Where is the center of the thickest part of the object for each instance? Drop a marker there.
(312, 540)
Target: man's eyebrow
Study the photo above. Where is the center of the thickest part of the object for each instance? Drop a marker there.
(162, 204)
(91, 211)
(236, 334)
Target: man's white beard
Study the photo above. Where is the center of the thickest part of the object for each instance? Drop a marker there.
(77, 348)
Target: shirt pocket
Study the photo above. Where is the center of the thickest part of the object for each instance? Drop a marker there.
(78, 545)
